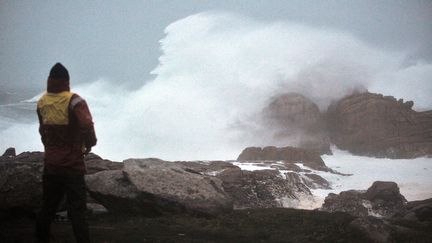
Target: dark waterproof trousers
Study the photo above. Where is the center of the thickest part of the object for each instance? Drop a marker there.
(55, 187)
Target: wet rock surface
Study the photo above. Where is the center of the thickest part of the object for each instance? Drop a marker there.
(288, 154)
(382, 199)
(383, 215)
(262, 189)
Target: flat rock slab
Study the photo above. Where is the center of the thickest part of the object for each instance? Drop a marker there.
(171, 182)
(153, 186)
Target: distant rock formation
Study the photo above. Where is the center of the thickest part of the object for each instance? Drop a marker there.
(310, 158)
(296, 118)
(382, 199)
(380, 126)
(362, 123)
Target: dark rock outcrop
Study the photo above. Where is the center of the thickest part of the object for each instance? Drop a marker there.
(315, 181)
(375, 229)
(386, 191)
(382, 199)
(298, 119)
(309, 158)
(10, 152)
(380, 126)
(351, 202)
(262, 189)
(30, 157)
(20, 186)
(417, 211)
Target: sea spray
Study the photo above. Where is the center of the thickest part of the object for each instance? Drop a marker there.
(216, 74)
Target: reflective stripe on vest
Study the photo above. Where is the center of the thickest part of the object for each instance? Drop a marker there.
(54, 108)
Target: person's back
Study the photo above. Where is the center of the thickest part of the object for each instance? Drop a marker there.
(67, 132)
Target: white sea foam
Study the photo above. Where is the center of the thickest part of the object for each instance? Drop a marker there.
(412, 175)
(251, 166)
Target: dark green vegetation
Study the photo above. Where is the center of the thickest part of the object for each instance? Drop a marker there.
(257, 225)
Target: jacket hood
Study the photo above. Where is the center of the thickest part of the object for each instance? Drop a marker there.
(58, 79)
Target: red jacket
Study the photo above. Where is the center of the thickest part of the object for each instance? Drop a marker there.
(66, 129)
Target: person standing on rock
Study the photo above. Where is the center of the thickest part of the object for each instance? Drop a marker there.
(67, 133)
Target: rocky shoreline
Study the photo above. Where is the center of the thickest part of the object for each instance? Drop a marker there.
(150, 200)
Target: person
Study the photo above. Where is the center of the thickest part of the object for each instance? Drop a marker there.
(67, 133)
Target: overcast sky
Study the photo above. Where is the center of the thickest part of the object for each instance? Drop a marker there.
(118, 40)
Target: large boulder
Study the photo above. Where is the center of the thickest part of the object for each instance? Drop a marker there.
(115, 192)
(20, 186)
(94, 164)
(309, 158)
(21, 180)
(380, 126)
(152, 187)
(171, 182)
(295, 118)
(312, 181)
(386, 191)
(382, 199)
(351, 202)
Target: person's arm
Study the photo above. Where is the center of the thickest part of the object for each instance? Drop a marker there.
(82, 113)
(40, 125)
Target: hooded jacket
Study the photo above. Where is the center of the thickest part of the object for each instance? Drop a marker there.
(65, 125)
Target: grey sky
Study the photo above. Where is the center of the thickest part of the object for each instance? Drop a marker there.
(118, 40)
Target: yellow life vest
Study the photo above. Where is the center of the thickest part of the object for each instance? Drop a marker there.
(54, 108)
